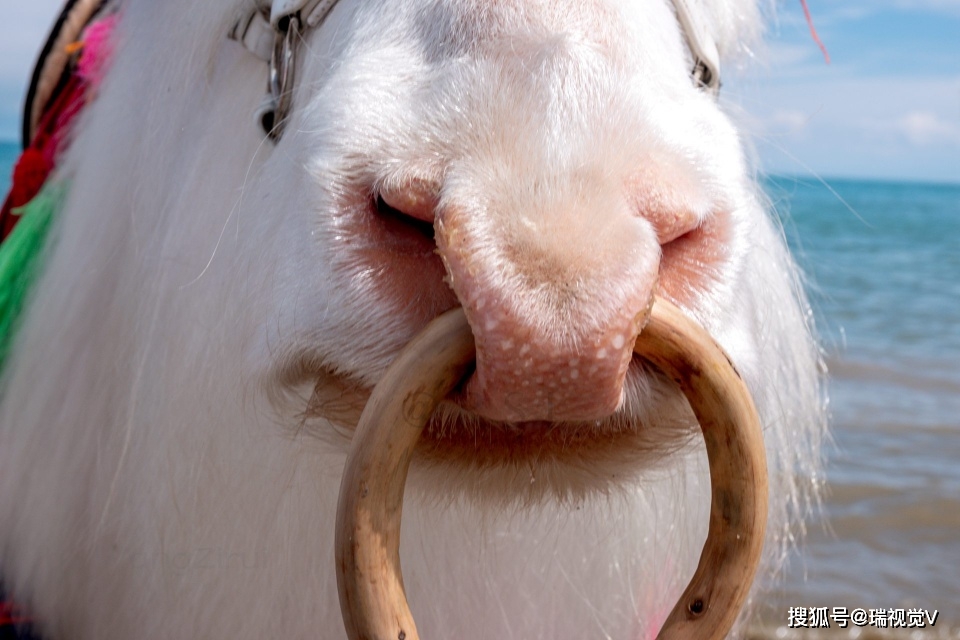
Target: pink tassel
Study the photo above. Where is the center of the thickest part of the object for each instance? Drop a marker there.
(813, 31)
(97, 50)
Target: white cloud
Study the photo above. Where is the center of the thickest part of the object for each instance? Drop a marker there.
(842, 124)
(924, 128)
(824, 16)
(781, 54)
(786, 122)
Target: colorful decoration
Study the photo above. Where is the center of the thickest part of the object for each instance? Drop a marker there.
(34, 199)
(32, 203)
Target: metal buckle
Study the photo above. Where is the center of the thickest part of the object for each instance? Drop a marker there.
(704, 78)
(283, 62)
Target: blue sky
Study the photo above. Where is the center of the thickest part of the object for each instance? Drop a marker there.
(888, 105)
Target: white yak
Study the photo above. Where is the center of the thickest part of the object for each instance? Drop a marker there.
(216, 306)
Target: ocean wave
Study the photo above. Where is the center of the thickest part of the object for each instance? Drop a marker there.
(917, 376)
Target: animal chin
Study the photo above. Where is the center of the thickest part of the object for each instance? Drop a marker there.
(597, 452)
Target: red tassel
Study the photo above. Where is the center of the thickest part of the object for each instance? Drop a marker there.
(11, 615)
(52, 135)
(36, 162)
(28, 176)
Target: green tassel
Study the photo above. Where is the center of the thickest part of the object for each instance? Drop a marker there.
(20, 260)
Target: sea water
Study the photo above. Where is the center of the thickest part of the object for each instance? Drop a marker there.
(8, 155)
(883, 273)
(883, 267)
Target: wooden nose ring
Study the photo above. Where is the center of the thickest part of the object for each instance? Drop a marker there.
(372, 597)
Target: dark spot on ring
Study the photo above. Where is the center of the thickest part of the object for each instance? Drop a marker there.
(696, 607)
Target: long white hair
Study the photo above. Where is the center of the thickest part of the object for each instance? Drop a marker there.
(161, 471)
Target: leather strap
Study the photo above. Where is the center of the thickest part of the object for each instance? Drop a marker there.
(257, 32)
(706, 63)
(271, 31)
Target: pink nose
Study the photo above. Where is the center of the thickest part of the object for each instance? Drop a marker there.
(525, 372)
(555, 303)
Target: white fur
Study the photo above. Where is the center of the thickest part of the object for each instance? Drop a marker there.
(157, 477)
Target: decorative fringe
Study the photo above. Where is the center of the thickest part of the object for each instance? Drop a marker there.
(21, 260)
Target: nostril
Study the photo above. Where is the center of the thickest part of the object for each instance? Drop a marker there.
(672, 225)
(414, 197)
(401, 221)
(671, 200)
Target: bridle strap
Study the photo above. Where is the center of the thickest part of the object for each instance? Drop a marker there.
(706, 56)
(272, 30)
